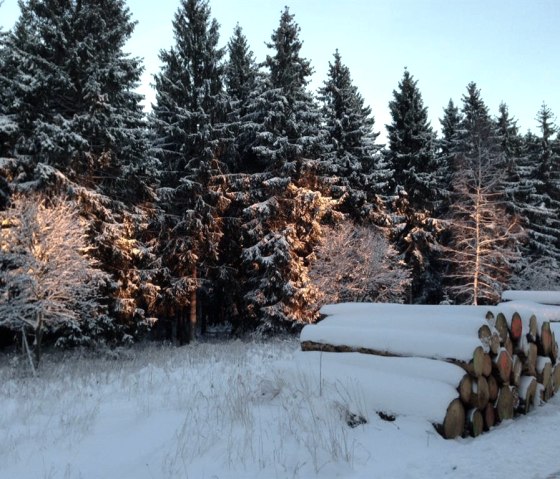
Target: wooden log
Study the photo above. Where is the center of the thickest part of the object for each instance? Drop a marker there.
(516, 327)
(426, 343)
(554, 349)
(501, 325)
(544, 370)
(475, 422)
(407, 386)
(490, 338)
(533, 329)
(493, 388)
(478, 365)
(556, 377)
(504, 403)
(527, 392)
(544, 339)
(516, 370)
(465, 389)
(528, 353)
(480, 395)
(454, 422)
(545, 392)
(489, 416)
(487, 366)
(548, 391)
(515, 395)
(503, 366)
(508, 345)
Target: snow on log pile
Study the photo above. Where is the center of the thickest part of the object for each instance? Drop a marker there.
(541, 297)
(480, 365)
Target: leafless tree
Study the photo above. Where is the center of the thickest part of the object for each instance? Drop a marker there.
(485, 238)
(47, 278)
(357, 263)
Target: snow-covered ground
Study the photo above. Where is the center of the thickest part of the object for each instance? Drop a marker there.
(238, 410)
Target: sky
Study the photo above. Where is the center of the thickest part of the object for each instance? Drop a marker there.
(508, 47)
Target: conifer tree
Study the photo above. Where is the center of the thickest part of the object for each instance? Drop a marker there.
(417, 178)
(242, 80)
(190, 106)
(280, 204)
(352, 166)
(537, 197)
(68, 90)
(71, 93)
(284, 126)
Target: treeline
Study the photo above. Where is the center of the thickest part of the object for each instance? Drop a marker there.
(223, 204)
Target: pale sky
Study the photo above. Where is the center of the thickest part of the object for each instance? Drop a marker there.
(508, 47)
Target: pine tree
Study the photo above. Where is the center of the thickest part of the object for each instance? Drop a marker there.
(190, 106)
(352, 165)
(484, 237)
(417, 178)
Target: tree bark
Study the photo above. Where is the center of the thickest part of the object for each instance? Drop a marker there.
(193, 308)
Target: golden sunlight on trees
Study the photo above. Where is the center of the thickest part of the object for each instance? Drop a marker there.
(357, 263)
(47, 280)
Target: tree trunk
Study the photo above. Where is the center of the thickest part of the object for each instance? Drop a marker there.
(38, 338)
(192, 309)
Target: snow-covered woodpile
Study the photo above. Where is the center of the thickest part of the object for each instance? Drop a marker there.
(498, 362)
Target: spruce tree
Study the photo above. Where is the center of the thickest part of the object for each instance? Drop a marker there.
(283, 121)
(68, 90)
(190, 106)
(417, 178)
(242, 80)
(351, 166)
(537, 167)
(280, 204)
(72, 93)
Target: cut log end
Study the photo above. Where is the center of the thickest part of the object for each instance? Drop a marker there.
(504, 404)
(475, 422)
(516, 327)
(454, 422)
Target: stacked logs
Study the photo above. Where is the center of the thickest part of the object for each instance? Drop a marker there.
(513, 366)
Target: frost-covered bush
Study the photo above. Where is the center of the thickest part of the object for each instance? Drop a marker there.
(48, 282)
(357, 263)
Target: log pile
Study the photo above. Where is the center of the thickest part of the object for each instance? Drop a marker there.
(510, 360)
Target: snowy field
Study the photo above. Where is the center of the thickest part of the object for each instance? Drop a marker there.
(238, 410)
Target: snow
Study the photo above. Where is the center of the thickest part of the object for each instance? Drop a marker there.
(528, 308)
(425, 344)
(543, 297)
(249, 410)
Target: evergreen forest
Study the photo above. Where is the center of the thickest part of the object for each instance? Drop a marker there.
(243, 201)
